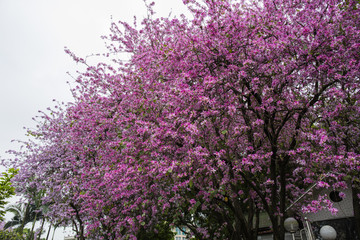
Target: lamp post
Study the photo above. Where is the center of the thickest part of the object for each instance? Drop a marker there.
(328, 232)
(309, 231)
(291, 225)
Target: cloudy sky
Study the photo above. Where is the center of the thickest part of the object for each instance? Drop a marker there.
(33, 64)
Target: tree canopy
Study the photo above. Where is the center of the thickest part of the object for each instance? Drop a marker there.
(211, 121)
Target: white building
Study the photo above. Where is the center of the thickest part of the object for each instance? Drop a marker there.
(180, 233)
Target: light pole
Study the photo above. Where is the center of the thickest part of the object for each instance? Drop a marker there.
(291, 225)
(309, 231)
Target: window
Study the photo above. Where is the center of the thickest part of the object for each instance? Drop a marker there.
(335, 196)
(180, 233)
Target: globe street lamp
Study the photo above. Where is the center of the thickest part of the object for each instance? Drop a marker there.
(291, 225)
(328, 232)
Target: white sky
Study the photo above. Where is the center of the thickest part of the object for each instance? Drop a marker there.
(33, 65)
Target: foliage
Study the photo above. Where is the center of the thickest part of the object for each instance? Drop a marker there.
(6, 189)
(10, 235)
(162, 231)
(211, 121)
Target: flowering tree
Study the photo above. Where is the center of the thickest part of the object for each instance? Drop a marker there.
(211, 122)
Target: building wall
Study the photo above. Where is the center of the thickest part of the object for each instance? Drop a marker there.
(343, 222)
(345, 208)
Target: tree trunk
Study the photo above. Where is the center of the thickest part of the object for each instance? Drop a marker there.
(55, 227)
(21, 228)
(41, 228)
(78, 218)
(356, 205)
(48, 233)
(31, 234)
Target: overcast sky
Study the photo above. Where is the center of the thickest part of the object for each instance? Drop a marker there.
(33, 65)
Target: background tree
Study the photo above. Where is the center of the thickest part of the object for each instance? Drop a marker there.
(23, 213)
(6, 189)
